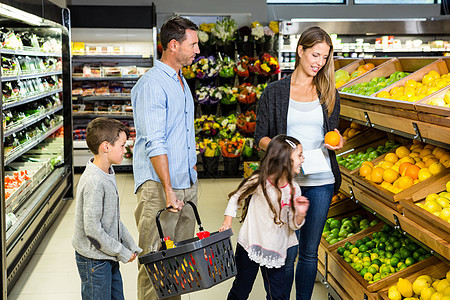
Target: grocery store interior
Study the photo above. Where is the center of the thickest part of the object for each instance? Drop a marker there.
(67, 62)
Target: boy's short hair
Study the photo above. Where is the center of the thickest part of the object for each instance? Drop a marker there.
(104, 129)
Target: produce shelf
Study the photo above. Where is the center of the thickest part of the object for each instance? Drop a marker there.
(29, 53)
(30, 99)
(29, 76)
(31, 120)
(96, 115)
(105, 78)
(29, 145)
(102, 98)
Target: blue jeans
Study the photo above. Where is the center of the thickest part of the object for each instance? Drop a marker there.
(319, 202)
(100, 279)
(247, 270)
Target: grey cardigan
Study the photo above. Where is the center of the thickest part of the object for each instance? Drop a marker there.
(271, 117)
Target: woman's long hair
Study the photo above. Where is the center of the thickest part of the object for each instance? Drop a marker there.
(324, 80)
(277, 163)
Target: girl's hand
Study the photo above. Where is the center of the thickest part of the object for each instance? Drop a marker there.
(340, 145)
(224, 227)
(301, 205)
(133, 257)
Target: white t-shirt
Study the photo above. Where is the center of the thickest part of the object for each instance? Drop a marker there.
(305, 123)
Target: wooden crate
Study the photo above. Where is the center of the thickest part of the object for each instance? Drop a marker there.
(387, 281)
(423, 217)
(417, 66)
(366, 136)
(341, 207)
(378, 62)
(437, 270)
(342, 62)
(423, 106)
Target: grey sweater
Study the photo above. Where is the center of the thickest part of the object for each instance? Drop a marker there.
(271, 117)
(99, 233)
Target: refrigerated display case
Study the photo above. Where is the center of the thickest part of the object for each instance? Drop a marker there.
(36, 137)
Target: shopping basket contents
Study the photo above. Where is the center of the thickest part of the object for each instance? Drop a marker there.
(191, 265)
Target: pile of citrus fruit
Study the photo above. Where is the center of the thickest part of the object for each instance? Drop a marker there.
(342, 76)
(387, 252)
(338, 197)
(438, 101)
(406, 166)
(375, 84)
(424, 287)
(413, 91)
(336, 230)
(352, 130)
(438, 204)
(356, 160)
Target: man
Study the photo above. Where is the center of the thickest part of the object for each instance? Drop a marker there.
(164, 153)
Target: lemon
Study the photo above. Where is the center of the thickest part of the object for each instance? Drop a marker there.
(427, 278)
(437, 296)
(445, 214)
(436, 168)
(447, 291)
(446, 297)
(443, 202)
(393, 293)
(432, 196)
(442, 285)
(419, 284)
(432, 206)
(447, 186)
(405, 287)
(427, 292)
(435, 283)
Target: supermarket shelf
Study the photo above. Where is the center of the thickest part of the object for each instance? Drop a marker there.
(31, 120)
(90, 116)
(29, 53)
(102, 98)
(31, 144)
(414, 129)
(30, 76)
(98, 57)
(30, 99)
(105, 78)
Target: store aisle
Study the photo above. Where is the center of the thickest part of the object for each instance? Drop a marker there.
(52, 274)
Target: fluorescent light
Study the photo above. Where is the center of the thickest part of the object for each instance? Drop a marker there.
(17, 14)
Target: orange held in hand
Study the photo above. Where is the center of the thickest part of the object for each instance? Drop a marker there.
(332, 138)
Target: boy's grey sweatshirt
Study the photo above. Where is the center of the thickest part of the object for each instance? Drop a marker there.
(99, 233)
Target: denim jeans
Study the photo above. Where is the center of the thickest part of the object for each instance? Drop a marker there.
(247, 270)
(319, 202)
(100, 279)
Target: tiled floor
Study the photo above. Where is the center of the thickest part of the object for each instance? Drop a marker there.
(52, 273)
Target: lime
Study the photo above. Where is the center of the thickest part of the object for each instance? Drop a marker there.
(340, 250)
(346, 253)
(333, 241)
(358, 267)
(402, 266)
(413, 247)
(343, 233)
(377, 277)
(388, 254)
(392, 239)
(335, 231)
(410, 261)
(325, 234)
(405, 252)
(365, 254)
(381, 246)
(385, 269)
(389, 248)
(366, 264)
(363, 272)
(370, 244)
(386, 228)
(355, 250)
(383, 239)
(364, 222)
(335, 224)
(372, 270)
(347, 245)
(363, 248)
(394, 261)
(348, 260)
(368, 276)
(366, 239)
(351, 247)
(341, 238)
(384, 274)
(397, 244)
(373, 223)
(358, 243)
(376, 261)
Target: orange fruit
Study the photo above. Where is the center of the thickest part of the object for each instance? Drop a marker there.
(403, 166)
(412, 171)
(377, 174)
(369, 163)
(420, 164)
(365, 170)
(436, 168)
(332, 138)
(402, 151)
(390, 175)
(391, 157)
(431, 161)
(427, 157)
(386, 165)
(405, 182)
(369, 66)
(407, 159)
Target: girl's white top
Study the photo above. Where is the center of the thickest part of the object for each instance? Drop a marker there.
(265, 241)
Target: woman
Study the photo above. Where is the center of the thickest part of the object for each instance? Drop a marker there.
(305, 105)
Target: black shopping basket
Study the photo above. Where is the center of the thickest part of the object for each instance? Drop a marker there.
(194, 264)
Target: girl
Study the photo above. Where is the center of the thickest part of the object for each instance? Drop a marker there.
(273, 209)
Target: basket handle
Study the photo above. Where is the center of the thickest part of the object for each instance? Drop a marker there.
(158, 223)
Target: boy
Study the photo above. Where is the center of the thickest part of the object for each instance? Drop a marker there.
(100, 239)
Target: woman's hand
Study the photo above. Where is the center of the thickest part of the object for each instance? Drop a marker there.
(340, 145)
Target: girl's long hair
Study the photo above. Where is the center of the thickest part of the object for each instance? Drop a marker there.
(277, 163)
(324, 80)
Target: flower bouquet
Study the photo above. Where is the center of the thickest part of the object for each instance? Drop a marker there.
(226, 73)
(266, 66)
(260, 89)
(228, 126)
(257, 32)
(245, 69)
(224, 33)
(210, 152)
(205, 67)
(249, 152)
(247, 94)
(231, 151)
(204, 37)
(188, 73)
(207, 97)
(207, 126)
(246, 122)
(228, 99)
(245, 45)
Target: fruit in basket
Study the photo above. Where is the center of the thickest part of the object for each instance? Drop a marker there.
(336, 230)
(438, 204)
(405, 287)
(332, 138)
(374, 85)
(351, 131)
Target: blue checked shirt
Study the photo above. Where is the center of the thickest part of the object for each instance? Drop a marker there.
(164, 119)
